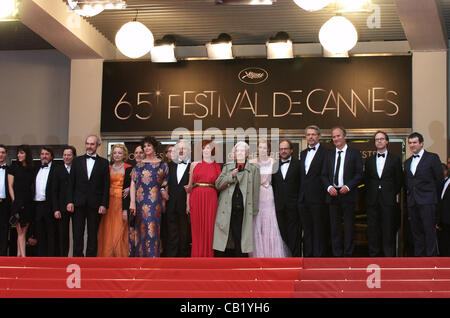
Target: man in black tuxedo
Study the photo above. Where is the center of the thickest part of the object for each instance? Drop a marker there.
(311, 196)
(342, 173)
(60, 200)
(423, 179)
(45, 222)
(383, 178)
(5, 202)
(286, 185)
(177, 242)
(444, 214)
(88, 196)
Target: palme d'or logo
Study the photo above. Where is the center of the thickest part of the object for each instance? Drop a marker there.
(253, 75)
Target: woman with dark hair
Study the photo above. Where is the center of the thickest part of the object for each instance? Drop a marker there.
(21, 184)
(201, 201)
(147, 190)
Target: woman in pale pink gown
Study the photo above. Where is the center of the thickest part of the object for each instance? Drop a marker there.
(266, 234)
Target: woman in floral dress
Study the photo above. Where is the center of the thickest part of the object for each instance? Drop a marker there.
(147, 190)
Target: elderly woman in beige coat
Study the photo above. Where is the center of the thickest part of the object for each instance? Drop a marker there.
(238, 202)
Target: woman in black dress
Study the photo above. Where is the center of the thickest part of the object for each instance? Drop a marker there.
(21, 179)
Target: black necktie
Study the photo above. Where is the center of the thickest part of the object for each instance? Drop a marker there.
(44, 165)
(91, 157)
(283, 162)
(381, 155)
(3, 167)
(313, 148)
(416, 156)
(336, 171)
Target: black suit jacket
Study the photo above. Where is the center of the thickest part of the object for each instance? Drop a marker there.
(311, 187)
(286, 190)
(49, 187)
(353, 173)
(444, 206)
(8, 197)
(177, 193)
(423, 187)
(391, 180)
(126, 184)
(60, 185)
(93, 192)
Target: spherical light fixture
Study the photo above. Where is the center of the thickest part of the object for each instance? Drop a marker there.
(7, 8)
(312, 5)
(338, 35)
(134, 39)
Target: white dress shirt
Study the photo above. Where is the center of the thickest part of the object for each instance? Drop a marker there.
(284, 168)
(181, 168)
(341, 166)
(2, 184)
(415, 161)
(310, 156)
(41, 183)
(67, 168)
(90, 165)
(380, 162)
(447, 182)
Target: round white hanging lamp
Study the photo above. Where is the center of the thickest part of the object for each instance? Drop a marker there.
(312, 5)
(7, 8)
(338, 35)
(85, 10)
(134, 39)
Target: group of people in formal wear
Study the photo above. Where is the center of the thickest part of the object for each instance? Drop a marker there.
(251, 206)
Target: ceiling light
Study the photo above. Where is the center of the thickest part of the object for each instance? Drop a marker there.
(134, 39)
(7, 8)
(89, 8)
(164, 50)
(246, 2)
(353, 6)
(279, 47)
(338, 35)
(312, 5)
(220, 48)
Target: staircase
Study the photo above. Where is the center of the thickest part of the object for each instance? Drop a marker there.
(223, 277)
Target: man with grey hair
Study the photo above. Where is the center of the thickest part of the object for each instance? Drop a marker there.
(88, 196)
(311, 199)
(177, 241)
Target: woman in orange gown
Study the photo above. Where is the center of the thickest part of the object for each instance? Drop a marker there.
(202, 201)
(113, 228)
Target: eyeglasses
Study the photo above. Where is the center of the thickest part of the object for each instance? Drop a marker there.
(380, 139)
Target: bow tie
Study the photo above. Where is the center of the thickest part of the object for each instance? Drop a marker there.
(283, 162)
(91, 157)
(44, 165)
(183, 163)
(381, 155)
(313, 148)
(3, 167)
(416, 156)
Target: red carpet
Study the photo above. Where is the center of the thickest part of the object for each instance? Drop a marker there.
(224, 277)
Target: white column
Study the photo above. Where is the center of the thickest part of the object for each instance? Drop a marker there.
(430, 110)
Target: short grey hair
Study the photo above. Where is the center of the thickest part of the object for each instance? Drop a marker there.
(241, 144)
(316, 128)
(99, 141)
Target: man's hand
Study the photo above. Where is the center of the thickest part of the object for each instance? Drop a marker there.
(57, 215)
(70, 208)
(102, 210)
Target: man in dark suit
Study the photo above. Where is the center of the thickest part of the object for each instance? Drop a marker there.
(60, 200)
(341, 175)
(177, 219)
(286, 185)
(311, 196)
(45, 222)
(423, 180)
(88, 196)
(5, 202)
(444, 214)
(383, 179)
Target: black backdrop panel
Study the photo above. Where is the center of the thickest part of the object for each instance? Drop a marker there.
(358, 92)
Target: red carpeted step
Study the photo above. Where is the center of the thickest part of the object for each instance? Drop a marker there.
(152, 273)
(385, 274)
(372, 294)
(385, 285)
(394, 262)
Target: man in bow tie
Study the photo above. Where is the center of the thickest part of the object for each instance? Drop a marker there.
(286, 185)
(383, 180)
(312, 206)
(177, 240)
(45, 223)
(88, 196)
(5, 202)
(423, 180)
(341, 175)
